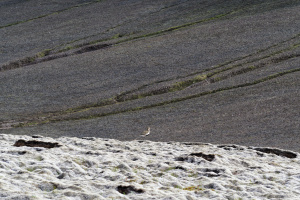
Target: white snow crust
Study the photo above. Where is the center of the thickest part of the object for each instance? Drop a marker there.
(95, 168)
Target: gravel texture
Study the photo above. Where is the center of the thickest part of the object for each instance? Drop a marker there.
(205, 71)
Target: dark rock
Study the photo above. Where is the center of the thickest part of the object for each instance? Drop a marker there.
(22, 152)
(61, 176)
(34, 143)
(181, 158)
(88, 138)
(230, 147)
(152, 154)
(277, 152)
(38, 149)
(208, 157)
(128, 189)
(181, 168)
(211, 175)
(37, 136)
(108, 145)
(186, 159)
(217, 171)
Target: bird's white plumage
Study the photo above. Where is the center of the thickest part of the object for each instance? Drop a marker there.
(145, 133)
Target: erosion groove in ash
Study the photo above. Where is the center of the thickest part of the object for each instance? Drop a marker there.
(87, 115)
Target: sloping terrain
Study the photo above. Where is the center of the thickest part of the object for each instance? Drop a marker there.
(206, 71)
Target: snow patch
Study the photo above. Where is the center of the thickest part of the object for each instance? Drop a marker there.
(93, 168)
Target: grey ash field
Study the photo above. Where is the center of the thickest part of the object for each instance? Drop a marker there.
(194, 71)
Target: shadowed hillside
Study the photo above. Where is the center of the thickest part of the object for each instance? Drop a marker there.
(192, 70)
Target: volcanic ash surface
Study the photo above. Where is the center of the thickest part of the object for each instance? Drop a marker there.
(92, 168)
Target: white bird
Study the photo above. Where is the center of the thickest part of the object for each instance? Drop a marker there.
(145, 133)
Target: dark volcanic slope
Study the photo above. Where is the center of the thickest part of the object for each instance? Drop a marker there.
(205, 71)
